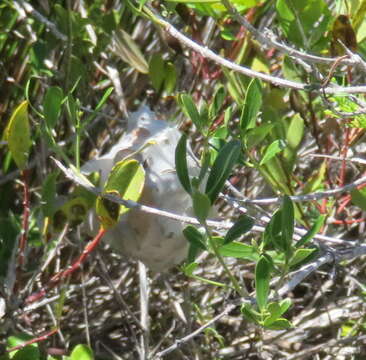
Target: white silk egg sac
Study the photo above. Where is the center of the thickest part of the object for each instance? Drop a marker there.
(156, 241)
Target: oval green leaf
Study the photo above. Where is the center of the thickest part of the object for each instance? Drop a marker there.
(201, 206)
(126, 179)
(273, 149)
(181, 163)
(252, 105)
(52, 105)
(222, 167)
(241, 226)
(190, 110)
(18, 136)
(82, 352)
(262, 279)
(239, 250)
(194, 236)
(288, 223)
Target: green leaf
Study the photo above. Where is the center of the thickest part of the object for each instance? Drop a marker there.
(276, 309)
(190, 268)
(252, 105)
(240, 227)
(156, 71)
(190, 110)
(170, 77)
(262, 279)
(194, 1)
(181, 163)
(303, 22)
(273, 149)
(126, 179)
(29, 352)
(239, 251)
(280, 324)
(82, 352)
(255, 136)
(194, 236)
(248, 312)
(201, 206)
(300, 255)
(128, 50)
(218, 100)
(107, 210)
(359, 198)
(18, 136)
(193, 252)
(73, 211)
(104, 98)
(312, 232)
(295, 131)
(48, 195)
(221, 169)
(52, 105)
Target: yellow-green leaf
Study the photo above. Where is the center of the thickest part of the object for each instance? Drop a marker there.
(17, 134)
(128, 50)
(107, 210)
(126, 180)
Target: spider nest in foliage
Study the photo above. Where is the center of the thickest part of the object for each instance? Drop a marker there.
(216, 147)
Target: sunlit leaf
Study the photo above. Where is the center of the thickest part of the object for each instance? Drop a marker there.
(262, 279)
(128, 50)
(312, 232)
(273, 149)
(190, 109)
(300, 255)
(126, 180)
(201, 205)
(252, 105)
(239, 251)
(82, 352)
(18, 136)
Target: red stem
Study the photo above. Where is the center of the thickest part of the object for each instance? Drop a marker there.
(63, 274)
(35, 340)
(348, 222)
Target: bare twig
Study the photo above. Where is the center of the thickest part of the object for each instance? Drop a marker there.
(50, 26)
(268, 38)
(308, 197)
(209, 54)
(185, 339)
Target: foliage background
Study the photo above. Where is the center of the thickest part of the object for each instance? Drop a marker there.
(85, 48)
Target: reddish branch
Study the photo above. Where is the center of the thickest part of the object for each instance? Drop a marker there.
(35, 340)
(63, 274)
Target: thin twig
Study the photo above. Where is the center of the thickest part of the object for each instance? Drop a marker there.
(185, 339)
(49, 25)
(218, 225)
(209, 54)
(308, 197)
(267, 38)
